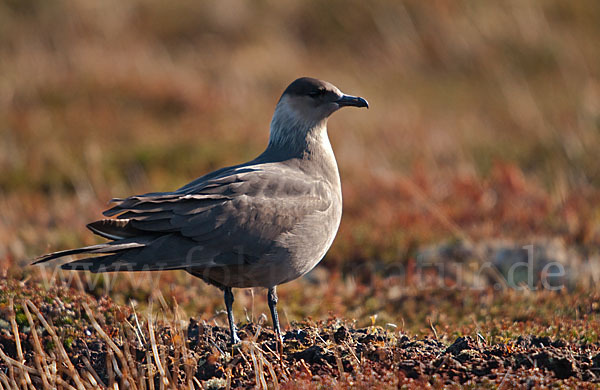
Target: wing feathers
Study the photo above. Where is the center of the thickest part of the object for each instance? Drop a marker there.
(207, 223)
(114, 229)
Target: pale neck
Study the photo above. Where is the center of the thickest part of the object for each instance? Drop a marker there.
(291, 140)
(294, 137)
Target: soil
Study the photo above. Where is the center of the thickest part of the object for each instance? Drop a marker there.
(320, 352)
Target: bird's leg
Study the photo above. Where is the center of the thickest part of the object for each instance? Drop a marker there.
(229, 305)
(272, 299)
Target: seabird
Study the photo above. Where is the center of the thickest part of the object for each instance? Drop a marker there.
(257, 224)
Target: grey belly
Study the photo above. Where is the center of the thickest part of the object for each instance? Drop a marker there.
(292, 255)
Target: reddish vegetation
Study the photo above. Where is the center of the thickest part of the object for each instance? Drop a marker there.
(482, 137)
(405, 212)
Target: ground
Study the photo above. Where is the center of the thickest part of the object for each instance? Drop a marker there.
(469, 249)
(98, 342)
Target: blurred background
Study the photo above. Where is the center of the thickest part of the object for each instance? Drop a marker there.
(484, 122)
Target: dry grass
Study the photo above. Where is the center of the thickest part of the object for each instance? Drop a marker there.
(62, 338)
(484, 125)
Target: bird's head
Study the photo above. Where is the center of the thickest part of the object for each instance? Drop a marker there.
(305, 105)
(314, 100)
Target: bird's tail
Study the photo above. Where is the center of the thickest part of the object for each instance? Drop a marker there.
(106, 248)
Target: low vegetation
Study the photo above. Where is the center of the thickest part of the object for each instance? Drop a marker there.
(469, 250)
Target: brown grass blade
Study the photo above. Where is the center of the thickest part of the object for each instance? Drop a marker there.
(65, 357)
(17, 335)
(39, 357)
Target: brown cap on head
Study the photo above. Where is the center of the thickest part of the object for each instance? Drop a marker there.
(322, 92)
(307, 86)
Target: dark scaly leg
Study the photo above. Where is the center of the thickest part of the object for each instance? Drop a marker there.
(229, 304)
(272, 299)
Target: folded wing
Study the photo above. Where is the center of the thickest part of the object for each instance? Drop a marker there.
(225, 220)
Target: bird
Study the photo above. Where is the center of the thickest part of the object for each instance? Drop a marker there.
(257, 224)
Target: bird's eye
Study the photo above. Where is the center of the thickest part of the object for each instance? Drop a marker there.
(317, 93)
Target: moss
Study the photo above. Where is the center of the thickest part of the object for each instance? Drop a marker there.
(49, 345)
(21, 319)
(68, 343)
(64, 320)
